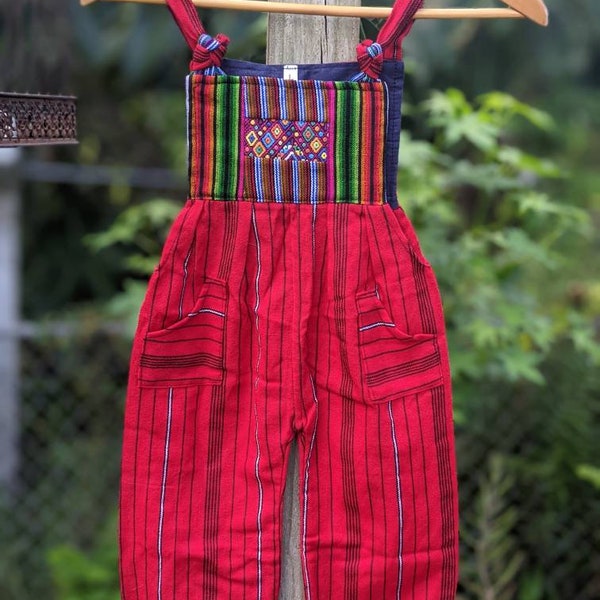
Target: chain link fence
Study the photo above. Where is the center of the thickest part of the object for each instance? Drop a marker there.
(530, 527)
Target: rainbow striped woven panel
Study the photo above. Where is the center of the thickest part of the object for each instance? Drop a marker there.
(266, 139)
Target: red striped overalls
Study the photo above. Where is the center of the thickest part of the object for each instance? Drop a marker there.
(291, 300)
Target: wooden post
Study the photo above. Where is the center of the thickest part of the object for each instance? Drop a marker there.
(295, 39)
(10, 269)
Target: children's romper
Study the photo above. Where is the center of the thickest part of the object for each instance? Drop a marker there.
(291, 299)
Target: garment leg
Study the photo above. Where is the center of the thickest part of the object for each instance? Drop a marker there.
(377, 468)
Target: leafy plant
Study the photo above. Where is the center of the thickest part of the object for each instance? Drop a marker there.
(92, 575)
(493, 234)
(488, 531)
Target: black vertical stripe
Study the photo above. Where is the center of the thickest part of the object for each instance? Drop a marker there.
(135, 482)
(375, 250)
(194, 442)
(446, 492)
(146, 586)
(249, 437)
(213, 490)
(424, 297)
(239, 368)
(425, 478)
(348, 416)
(399, 268)
(231, 213)
(281, 320)
(366, 414)
(321, 287)
(181, 221)
(176, 519)
(382, 464)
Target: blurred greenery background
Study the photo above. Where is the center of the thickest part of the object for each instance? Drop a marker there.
(499, 173)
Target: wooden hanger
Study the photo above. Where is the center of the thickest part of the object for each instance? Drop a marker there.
(535, 10)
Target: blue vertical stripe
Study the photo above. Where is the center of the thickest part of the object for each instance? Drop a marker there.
(263, 98)
(301, 103)
(314, 182)
(320, 101)
(295, 181)
(277, 178)
(281, 92)
(258, 178)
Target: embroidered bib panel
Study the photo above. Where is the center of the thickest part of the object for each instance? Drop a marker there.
(269, 139)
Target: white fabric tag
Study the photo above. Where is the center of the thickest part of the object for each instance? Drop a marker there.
(290, 71)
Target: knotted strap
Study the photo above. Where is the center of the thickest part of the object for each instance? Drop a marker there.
(208, 51)
(370, 55)
(370, 58)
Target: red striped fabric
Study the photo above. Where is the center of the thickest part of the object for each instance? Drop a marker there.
(289, 302)
(267, 321)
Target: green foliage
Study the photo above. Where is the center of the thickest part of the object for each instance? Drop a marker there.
(93, 575)
(141, 228)
(589, 473)
(523, 346)
(488, 532)
(493, 235)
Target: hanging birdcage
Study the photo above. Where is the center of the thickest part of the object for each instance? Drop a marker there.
(37, 119)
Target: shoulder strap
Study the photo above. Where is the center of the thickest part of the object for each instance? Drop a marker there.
(370, 54)
(397, 26)
(208, 52)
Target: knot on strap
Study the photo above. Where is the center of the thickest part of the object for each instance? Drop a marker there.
(370, 58)
(209, 51)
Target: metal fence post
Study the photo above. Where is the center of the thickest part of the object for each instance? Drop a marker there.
(10, 255)
(294, 39)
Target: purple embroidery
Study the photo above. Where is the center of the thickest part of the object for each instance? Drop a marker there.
(286, 139)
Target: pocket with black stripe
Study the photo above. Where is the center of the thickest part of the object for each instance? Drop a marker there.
(393, 363)
(190, 351)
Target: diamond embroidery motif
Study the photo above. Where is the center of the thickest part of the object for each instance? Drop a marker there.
(268, 140)
(286, 140)
(316, 145)
(259, 150)
(251, 138)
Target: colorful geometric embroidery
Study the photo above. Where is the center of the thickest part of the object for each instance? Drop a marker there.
(286, 139)
(268, 139)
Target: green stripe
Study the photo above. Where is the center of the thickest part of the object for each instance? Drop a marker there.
(233, 145)
(226, 162)
(354, 144)
(347, 142)
(227, 131)
(220, 91)
(340, 151)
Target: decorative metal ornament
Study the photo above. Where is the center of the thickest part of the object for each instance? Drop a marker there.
(37, 119)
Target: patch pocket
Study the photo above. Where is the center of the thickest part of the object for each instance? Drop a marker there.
(393, 363)
(189, 352)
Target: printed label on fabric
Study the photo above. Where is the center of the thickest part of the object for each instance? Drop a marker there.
(286, 139)
(290, 72)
